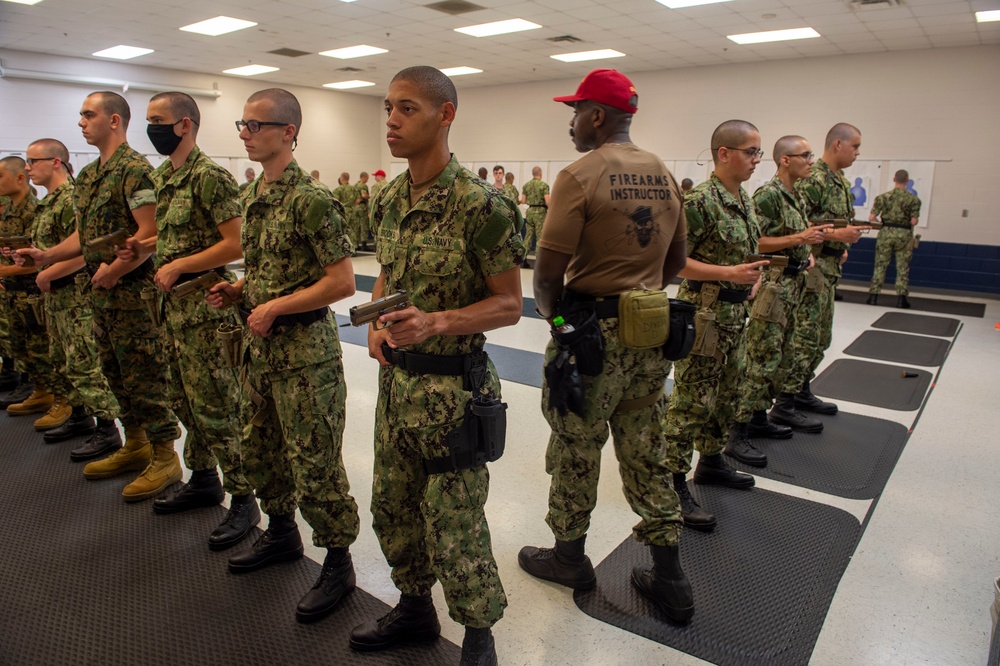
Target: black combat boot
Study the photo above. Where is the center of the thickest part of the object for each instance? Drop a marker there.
(837, 296)
(740, 448)
(77, 425)
(203, 489)
(805, 401)
(715, 471)
(18, 395)
(9, 377)
(105, 439)
(761, 427)
(872, 299)
(785, 413)
(694, 516)
(335, 582)
(478, 648)
(413, 620)
(243, 516)
(902, 302)
(280, 542)
(565, 564)
(665, 584)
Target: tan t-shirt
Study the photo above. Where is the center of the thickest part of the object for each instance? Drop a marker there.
(616, 210)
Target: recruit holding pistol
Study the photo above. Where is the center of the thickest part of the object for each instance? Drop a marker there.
(369, 312)
(112, 241)
(18, 243)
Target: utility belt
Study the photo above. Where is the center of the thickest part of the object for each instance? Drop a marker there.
(297, 319)
(795, 268)
(724, 295)
(483, 433)
(21, 283)
(67, 281)
(897, 225)
(144, 270)
(827, 251)
(537, 206)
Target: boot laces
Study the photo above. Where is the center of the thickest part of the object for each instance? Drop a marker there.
(688, 502)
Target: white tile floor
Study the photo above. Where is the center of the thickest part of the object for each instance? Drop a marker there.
(918, 590)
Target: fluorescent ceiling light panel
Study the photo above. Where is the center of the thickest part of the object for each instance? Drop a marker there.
(121, 52)
(497, 28)
(773, 36)
(680, 4)
(25, 2)
(991, 15)
(219, 25)
(353, 52)
(580, 56)
(460, 71)
(347, 85)
(250, 70)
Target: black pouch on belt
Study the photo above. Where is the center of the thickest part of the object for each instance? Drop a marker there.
(565, 387)
(682, 331)
(479, 440)
(585, 342)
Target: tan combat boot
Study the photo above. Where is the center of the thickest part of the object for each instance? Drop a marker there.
(133, 456)
(164, 469)
(39, 401)
(57, 415)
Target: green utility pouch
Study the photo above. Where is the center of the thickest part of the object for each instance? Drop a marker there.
(585, 342)
(479, 440)
(815, 280)
(263, 405)
(682, 330)
(643, 318)
(767, 306)
(231, 337)
(154, 304)
(706, 340)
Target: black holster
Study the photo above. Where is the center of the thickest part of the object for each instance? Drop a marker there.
(479, 440)
(565, 386)
(682, 330)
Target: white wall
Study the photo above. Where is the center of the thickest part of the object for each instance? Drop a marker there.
(339, 130)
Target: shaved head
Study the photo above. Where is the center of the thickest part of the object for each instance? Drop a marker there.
(54, 148)
(536, 172)
(786, 145)
(13, 165)
(286, 106)
(113, 103)
(902, 177)
(181, 105)
(842, 132)
(730, 134)
(431, 82)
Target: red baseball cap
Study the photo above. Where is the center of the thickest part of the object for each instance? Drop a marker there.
(605, 86)
(379, 173)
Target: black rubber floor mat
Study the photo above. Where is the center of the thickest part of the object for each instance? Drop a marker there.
(87, 579)
(853, 456)
(875, 384)
(941, 306)
(899, 348)
(763, 580)
(914, 323)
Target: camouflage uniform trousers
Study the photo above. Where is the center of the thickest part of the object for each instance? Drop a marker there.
(73, 351)
(132, 359)
(204, 392)
(294, 458)
(813, 330)
(892, 241)
(770, 352)
(432, 526)
(27, 339)
(533, 221)
(358, 224)
(704, 400)
(5, 348)
(573, 457)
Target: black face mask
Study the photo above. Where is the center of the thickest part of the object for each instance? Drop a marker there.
(163, 138)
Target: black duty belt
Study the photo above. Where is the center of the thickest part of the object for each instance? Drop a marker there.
(795, 267)
(537, 206)
(604, 308)
(828, 251)
(297, 319)
(20, 283)
(894, 225)
(725, 295)
(144, 270)
(66, 281)
(428, 364)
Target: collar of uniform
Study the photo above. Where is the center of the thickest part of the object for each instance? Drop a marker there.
(433, 200)
(165, 174)
(274, 192)
(113, 160)
(17, 210)
(792, 196)
(53, 196)
(727, 198)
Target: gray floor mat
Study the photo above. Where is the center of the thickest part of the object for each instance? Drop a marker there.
(763, 581)
(853, 456)
(87, 579)
(875, 384)
(914, 323)
(900, 348)
(939, 305)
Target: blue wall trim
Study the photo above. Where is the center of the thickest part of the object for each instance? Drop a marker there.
(959, 266)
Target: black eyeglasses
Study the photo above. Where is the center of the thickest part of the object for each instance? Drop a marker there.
(750, 152)
(31, 160)
(807, 156)
(253, 126)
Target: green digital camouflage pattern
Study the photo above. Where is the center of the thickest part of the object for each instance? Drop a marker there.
(16, 220)
(827, 194)
(376, 188)
(191, 203)
(573, 456)
(357, 214)
(344, 193)
(130, 348)
(897, 207)
(292, 229)
(510, 191)
(770, 345)
(433, 527)
(534, 195)
(722, 230)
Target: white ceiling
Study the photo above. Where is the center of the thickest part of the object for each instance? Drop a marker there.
(652, 36)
